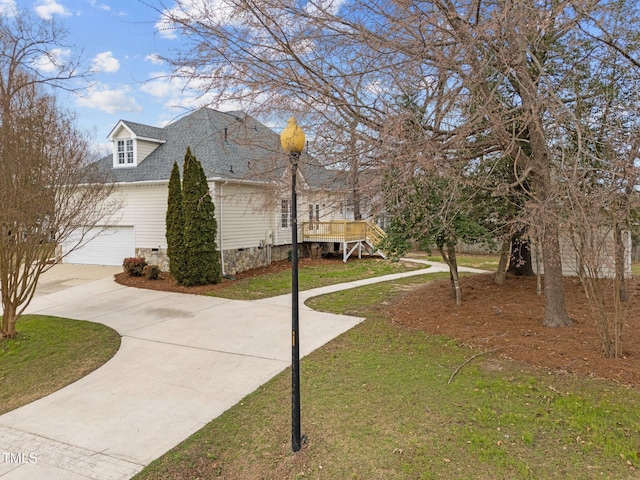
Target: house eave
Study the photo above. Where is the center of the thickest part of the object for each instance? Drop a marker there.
(124, 125)
(212, 179)
(147, 139)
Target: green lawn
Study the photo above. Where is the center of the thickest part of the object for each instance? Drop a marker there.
(484, 262)
(381, 402)
(48, 354)
(312, 277)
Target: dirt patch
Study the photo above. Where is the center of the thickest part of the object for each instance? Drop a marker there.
(509, 319)
(506, 318)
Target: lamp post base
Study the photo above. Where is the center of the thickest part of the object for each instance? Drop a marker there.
(297, 444)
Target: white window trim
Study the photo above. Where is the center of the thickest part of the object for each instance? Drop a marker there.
(116, 153)
(314, 215)
(285, 215)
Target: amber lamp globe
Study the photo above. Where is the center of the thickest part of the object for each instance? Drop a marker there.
(292, 137)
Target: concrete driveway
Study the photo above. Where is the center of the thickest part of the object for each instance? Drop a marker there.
(184, 360)
(64, 275)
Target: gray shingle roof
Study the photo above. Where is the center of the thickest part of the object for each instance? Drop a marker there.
(230, 145)
(146, 131)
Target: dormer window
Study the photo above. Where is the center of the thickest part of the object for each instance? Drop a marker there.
(132, 143)
(125, 152)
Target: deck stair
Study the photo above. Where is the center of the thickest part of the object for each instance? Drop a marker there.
(352, 234)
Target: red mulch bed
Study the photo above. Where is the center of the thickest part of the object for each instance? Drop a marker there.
(509, 318)
(167, 283)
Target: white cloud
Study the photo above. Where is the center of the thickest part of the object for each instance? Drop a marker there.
(185, 92)
(46, 9)
(180, 89)
(101, 6)
(319, 6)
(159, 86)
(165, 27)
(206, 11)
(8, 7)
(177, 94)
(105, 62)
(109, 100)
(53, 61)
(154, 58)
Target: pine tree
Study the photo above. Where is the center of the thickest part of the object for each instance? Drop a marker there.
(200, 226)
(175, 226)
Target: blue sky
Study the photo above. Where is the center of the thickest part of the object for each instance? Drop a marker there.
(119, 41)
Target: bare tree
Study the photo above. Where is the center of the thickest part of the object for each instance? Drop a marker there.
(599, 192)
(490, 77)
(47, 193)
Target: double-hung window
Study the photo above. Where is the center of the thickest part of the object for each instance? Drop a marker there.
(314, 215)
(285, 213)
(125, 152)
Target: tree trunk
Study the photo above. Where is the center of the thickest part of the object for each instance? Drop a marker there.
(538, 269)
(353, 177)
(9, 320)
(543, 185)
(450, 258)
(520, 263)
(504, 260)
(620, 277)
(555, 312)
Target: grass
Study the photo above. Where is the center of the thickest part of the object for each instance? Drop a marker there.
(484, 262)
(635, 269)
(48, 354)
(309, 277)
(377, 404)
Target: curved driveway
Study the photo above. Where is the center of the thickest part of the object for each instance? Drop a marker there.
(184, 360)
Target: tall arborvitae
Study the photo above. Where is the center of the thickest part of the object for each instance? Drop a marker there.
(175, 226)
(200, 226)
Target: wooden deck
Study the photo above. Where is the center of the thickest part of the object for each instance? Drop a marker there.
(360, 233)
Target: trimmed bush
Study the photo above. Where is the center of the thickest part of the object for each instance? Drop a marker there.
(134, 266)
(151, 272)
(200, 226)
(175, 227)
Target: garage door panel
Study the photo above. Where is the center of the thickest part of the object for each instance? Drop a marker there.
(108, 246)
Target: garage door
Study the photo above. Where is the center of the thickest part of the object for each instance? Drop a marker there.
(107, 247)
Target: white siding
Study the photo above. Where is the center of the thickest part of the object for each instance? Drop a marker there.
(122, 134)
(248, 215)
(144, 149)
(242, 218)
(331, 206)
(245, 217)
(145, 206)
(601, 255)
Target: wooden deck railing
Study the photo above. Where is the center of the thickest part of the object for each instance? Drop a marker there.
(342, 231)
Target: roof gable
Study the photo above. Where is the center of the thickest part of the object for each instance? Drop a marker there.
(137, 131)
(229, 145)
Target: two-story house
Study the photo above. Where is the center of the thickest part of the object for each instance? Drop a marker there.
(248, 175)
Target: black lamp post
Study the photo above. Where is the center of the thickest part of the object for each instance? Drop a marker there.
(292, 140)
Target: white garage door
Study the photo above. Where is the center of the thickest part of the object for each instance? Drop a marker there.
(107, 247)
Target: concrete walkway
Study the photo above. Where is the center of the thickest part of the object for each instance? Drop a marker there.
(184, 360)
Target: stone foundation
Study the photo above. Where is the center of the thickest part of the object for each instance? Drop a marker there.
(235, 261)
(239, 260)
(155, 256)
